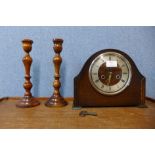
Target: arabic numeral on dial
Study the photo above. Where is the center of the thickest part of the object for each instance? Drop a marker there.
(96, 80)
(102, 86)
(109, 88)
(123, 80)
(125, 73)
(94, 73)
(97, 66)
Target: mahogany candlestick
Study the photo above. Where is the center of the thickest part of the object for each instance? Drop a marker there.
(28, 100)
(56, 100)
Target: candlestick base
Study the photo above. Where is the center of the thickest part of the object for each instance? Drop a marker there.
(56, 101)
(27, 102)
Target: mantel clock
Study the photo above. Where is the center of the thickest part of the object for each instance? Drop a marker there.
(109, 78)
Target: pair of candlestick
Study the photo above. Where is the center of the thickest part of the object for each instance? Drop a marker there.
(56, 100)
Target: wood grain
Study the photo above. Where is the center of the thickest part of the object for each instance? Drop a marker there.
(56, 100)
(42, 117)
(86, 96)
(27, 101)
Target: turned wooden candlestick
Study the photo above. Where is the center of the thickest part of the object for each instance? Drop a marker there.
(28, 100)
(56, 100)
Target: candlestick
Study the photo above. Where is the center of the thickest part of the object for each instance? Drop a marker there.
(28, 100)
(56, 100)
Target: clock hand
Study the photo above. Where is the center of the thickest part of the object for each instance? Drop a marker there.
(109, 78)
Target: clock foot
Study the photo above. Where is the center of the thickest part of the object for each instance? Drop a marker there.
(76, 108)
(142, 106)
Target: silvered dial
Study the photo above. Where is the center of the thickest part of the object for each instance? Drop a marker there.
(110, 73)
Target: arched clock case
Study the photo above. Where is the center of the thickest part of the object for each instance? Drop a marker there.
(109, 78)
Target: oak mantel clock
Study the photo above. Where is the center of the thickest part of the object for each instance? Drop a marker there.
(109, 78)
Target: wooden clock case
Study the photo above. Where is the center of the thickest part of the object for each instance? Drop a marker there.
(86, 96)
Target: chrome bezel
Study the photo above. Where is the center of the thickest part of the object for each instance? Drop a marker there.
(123, 59)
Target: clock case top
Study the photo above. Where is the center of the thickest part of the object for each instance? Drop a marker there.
(86, 96)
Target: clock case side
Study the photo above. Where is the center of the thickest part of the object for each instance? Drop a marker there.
(86, 96)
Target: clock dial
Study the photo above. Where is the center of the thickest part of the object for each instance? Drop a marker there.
(110, 73)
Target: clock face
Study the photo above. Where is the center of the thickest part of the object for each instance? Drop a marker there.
(110, 73)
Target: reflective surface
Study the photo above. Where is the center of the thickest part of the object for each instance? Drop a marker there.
(110, 73)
